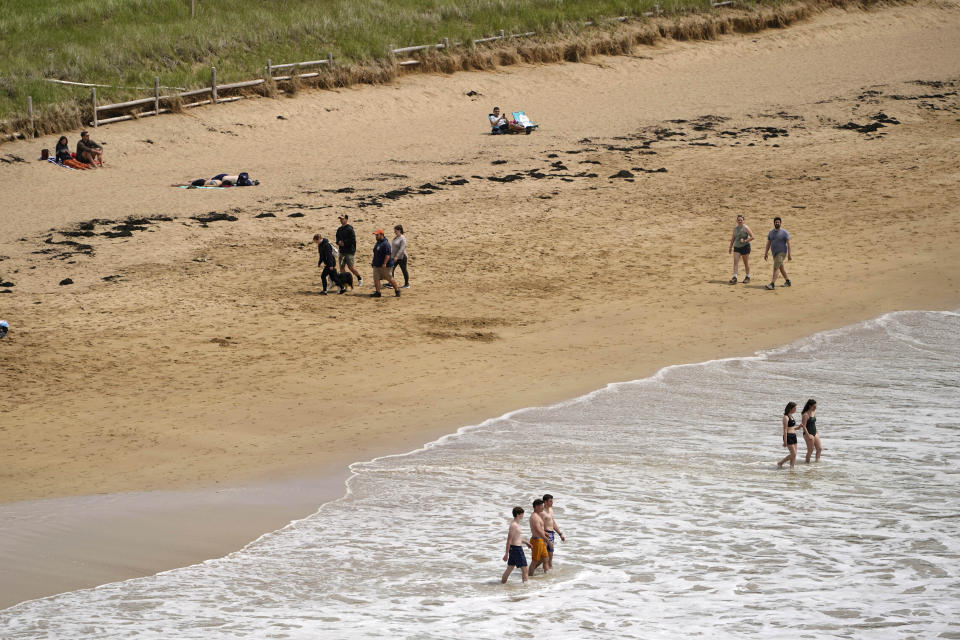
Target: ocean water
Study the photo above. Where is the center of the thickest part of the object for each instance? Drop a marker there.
(678, 523)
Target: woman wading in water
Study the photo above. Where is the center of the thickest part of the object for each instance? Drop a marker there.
(789, 434)
(810, 436)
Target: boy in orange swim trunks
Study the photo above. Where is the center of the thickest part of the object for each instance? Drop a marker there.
(538, 537)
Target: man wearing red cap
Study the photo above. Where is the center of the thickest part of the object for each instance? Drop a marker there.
(382, 261)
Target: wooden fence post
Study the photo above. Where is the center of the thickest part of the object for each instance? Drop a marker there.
(503, 34)
(193, 8)
(94, 107)
(33, 131)
(213, 84)
(269, 69)
(446, 43)
(156, 95)
(329, 60)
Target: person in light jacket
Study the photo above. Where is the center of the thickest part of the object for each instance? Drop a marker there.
(398, 251)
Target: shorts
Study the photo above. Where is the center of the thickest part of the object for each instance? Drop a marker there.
(382, 273)
(346, 259)
(791, 438)
(517, 557)
(778, 259)
(539, 549)
(551, 536)
(744, 250)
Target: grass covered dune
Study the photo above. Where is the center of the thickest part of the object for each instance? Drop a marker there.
(125, 43)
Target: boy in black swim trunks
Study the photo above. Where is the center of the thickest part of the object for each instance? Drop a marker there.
(514, 556)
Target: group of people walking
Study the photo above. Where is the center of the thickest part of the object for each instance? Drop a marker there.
(808, 427)
(543, 533)
(778, 240)
(387, 256)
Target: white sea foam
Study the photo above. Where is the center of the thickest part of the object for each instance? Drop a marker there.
(678, 523)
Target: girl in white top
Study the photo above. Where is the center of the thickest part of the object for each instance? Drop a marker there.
(398, 248)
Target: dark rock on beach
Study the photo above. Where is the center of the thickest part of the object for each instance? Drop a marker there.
(66, 281)
(213, 216)
(862, 128)
(623, 173)
(507, 178)
(264, 215)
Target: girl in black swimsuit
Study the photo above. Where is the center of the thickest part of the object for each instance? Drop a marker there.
(810, 436)
(789, 434)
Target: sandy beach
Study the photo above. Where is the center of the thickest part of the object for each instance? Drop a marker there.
(194, 353)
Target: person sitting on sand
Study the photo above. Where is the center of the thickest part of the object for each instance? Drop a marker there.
(89, 151)
(500, 124)
(63, 155)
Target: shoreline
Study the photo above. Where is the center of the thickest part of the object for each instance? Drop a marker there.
(117, 537)
(190, 355)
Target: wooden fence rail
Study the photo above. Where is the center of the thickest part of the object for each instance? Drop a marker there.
(214, 90)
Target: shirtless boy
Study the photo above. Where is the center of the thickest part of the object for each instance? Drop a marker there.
(514, 556)
(551, 528)
(538, 537)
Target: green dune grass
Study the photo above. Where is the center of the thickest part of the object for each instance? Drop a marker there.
(125, 43)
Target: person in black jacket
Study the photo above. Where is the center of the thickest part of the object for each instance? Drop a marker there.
(347, 242)
(329, 264)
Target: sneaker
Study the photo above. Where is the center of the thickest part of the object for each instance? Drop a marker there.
(342, 291)
(733, 280)
(397, 293)
(388, 286)
(359, 281)
(746, 280)
(770, 287)
(375, 294)
(406, 286)
(786, 283)
(528, 130)
(324, 292)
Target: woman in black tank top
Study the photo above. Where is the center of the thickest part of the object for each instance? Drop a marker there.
(810, 435)
(789, 435)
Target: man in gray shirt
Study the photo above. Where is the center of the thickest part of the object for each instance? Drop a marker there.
(779, 240)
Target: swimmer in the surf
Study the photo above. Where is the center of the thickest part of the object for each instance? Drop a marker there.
(538, 538)
(514, 556)
(789, 434)
(809, 423)
(551, 528)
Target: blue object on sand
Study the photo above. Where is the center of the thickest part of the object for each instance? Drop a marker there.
(4, 327)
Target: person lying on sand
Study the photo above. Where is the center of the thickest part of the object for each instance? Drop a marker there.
(65, 158)
(241, 179)
(220, 180)
(500, 124)
(200, 182)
